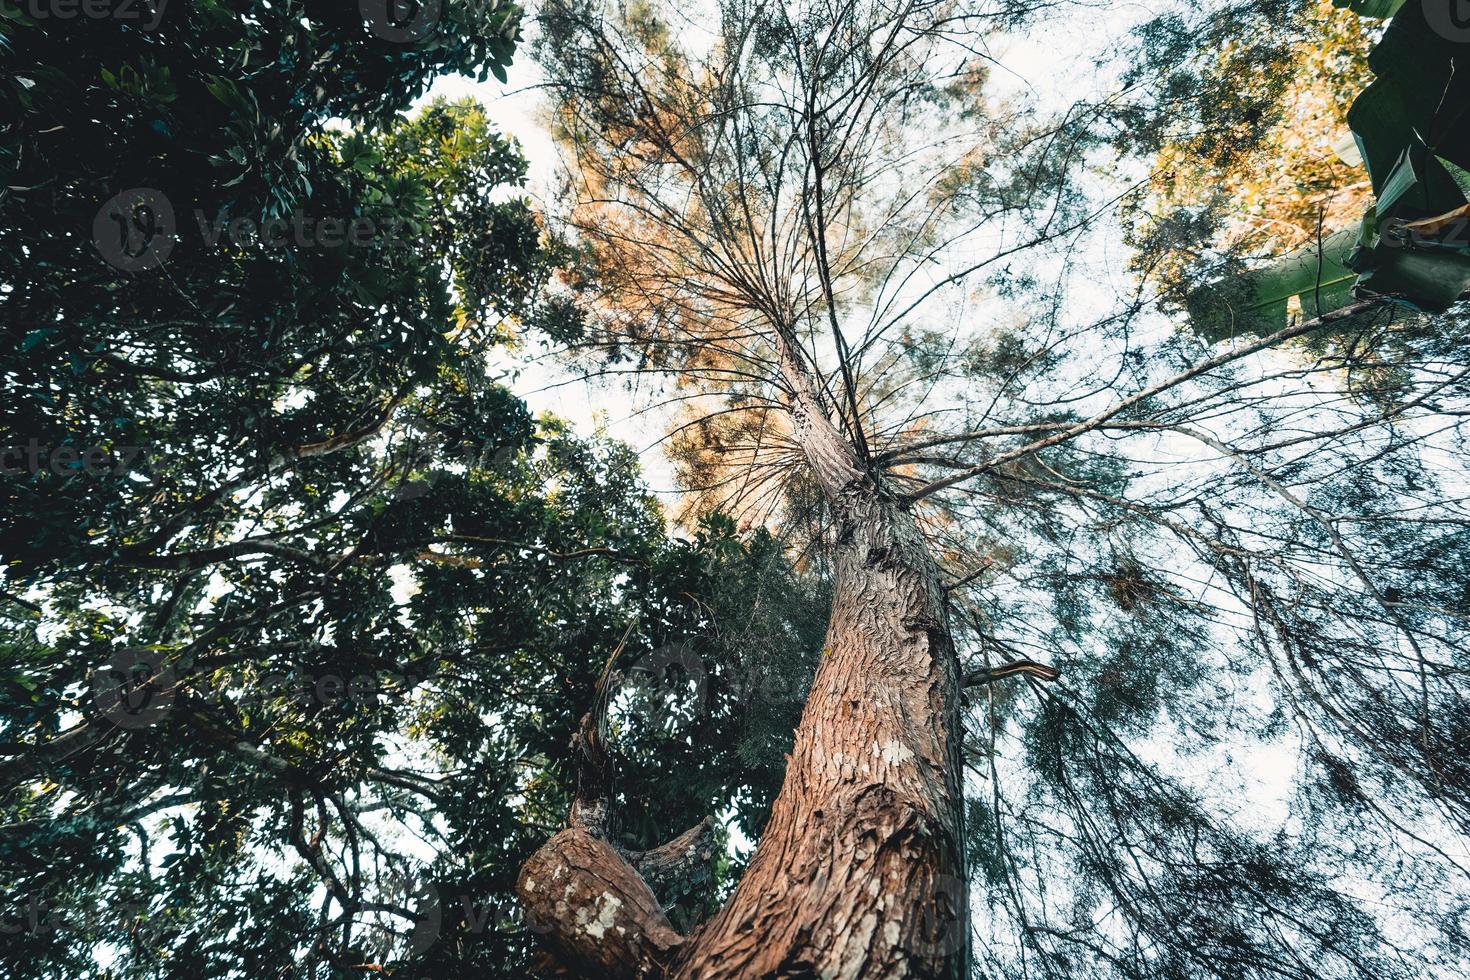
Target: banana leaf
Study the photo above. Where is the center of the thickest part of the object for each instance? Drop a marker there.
(1416, 106)
(1412, 127)
(1259, 302)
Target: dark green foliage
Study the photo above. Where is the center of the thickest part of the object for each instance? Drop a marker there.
(358, 595)
(1411, 126)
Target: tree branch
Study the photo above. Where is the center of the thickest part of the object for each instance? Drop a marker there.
(1204, 367)
(1031, 668)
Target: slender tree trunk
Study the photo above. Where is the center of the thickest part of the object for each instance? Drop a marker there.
(860, 871)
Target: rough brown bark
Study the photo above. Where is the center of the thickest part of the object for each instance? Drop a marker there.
(860, 871)
(597, 916)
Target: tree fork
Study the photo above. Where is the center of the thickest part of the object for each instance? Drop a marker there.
(593, 902)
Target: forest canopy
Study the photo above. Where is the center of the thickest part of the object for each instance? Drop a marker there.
(1063, 573)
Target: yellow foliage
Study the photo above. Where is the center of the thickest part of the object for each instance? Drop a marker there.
(1293, 183)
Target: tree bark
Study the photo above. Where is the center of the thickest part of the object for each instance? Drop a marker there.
(597, 917)
(860, 872)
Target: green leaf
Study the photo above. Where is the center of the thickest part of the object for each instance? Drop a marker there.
(1429, 280)
(231, 95)
(1412, 112)
(1401, 180)
(1460, 174)
(1258, 302)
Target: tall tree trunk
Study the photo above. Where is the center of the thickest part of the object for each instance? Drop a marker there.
(860, 871)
